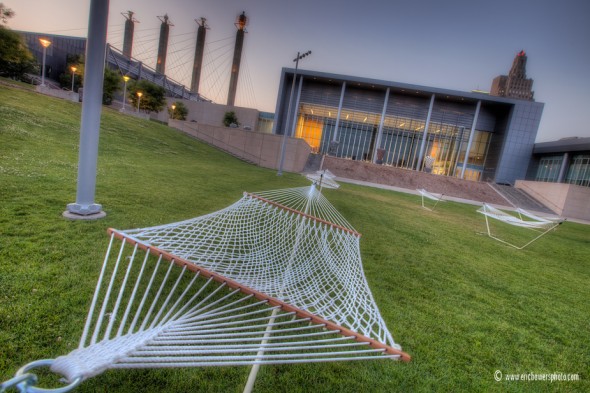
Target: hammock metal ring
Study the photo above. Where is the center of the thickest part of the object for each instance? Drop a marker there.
(25, 381)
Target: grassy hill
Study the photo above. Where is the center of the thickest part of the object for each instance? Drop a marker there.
(461, 304)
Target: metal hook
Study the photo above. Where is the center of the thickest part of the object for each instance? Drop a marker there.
(20, 382)
(25, 381)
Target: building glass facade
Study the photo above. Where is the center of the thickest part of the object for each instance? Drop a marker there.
(549, 168)
(410, 127)
(563, 161)
(579, 170)
(401, 140)
(56, 54)
(265, 122)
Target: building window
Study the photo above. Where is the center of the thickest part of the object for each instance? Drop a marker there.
(265, 122)
(579, 170)
(549, 167)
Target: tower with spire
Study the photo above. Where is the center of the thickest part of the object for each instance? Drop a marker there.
(515, 84)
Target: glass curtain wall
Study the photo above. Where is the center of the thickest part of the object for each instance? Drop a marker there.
(265, 122)
(549, 167)
(401, 140)
(315, 125)
(579, 170)
(477, 155)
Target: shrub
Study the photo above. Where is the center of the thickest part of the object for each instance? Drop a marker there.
(230, 119)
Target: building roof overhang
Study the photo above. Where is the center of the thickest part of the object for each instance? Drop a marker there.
(562, 146)
(403, 88)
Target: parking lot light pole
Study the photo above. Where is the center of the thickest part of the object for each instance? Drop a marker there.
(73, 76)
(45, 43)
(126, 79)
(287, 122)
(139, 94)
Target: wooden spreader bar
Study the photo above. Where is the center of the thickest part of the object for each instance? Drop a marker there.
(261, 296)
(331, 224)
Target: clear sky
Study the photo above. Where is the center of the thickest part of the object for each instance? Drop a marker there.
(454, 44)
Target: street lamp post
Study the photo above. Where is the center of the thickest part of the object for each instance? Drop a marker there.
(287, 123)
(173, 109)
(45, 43)
(126, 79)
(73, 76)
(139, 94)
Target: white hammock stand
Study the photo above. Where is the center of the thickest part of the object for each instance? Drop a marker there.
(533, 222)
(323, 179)
(275, 278)
(432, 196)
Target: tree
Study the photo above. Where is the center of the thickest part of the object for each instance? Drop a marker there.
(111, 84)
(15, 58)
(5, 14)
(179, 111)
(65, 79)
(152, 98)
(230, 119)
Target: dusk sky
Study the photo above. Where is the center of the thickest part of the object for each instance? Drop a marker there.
(453, 44)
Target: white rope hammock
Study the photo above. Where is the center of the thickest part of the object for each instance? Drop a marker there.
(274, 278)
(323, 179)
(432, 196)
(534, 222)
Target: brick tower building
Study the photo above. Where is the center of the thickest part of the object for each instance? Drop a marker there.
(515, 84)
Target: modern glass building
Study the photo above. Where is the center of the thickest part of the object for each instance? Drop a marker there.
(470, 135)
(56, 53)
(265, 122)
(564, 161)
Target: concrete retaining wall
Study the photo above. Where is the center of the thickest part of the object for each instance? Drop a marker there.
(212, 114)
(63, 94)
(409, 179)
(259, 148)
(568, 200)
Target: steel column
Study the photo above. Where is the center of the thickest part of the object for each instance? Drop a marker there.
(470, 138)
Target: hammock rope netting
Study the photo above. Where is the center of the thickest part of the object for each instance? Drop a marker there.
(274, 278)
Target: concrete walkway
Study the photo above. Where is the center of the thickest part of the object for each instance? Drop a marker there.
(445, 197)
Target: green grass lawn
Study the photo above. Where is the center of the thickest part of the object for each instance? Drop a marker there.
(460, 303)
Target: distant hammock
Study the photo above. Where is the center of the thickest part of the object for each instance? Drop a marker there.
(434, 197)
(534, 222)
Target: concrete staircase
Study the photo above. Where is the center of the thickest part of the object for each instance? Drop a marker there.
(519, 198)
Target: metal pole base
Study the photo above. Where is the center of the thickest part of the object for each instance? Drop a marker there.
(76, 211)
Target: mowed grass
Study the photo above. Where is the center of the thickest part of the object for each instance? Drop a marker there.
(460, 303)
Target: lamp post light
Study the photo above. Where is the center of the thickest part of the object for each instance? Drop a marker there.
(73, 68)
(45, 43)
(287, 123)
(139, 94)
(126, 79)
(173, 109)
